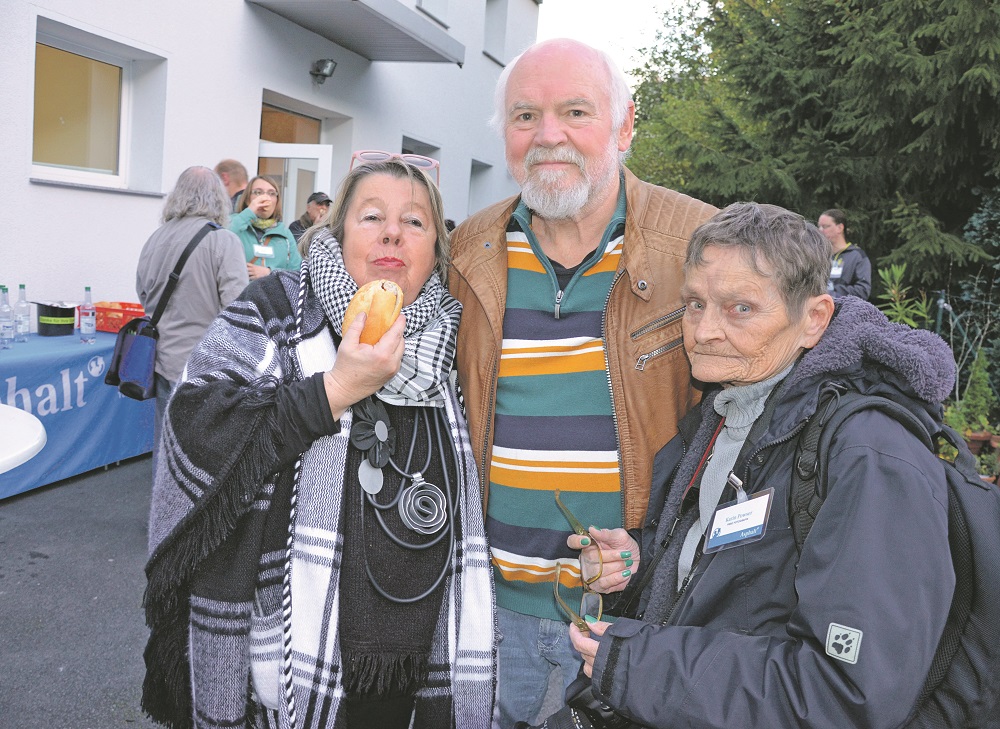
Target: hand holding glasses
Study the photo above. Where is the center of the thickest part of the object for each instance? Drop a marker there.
(591, 569)
(607, 561)
(417, 160)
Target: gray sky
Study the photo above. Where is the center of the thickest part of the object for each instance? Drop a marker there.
(619, 28)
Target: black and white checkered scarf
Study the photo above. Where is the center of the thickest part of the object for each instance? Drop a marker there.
(431, 325)
(219, 542)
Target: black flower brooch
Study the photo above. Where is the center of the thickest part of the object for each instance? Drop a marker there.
(371, 432)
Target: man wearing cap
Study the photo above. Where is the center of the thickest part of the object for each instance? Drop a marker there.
(317, 206)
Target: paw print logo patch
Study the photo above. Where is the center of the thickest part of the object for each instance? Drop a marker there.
(843, 643)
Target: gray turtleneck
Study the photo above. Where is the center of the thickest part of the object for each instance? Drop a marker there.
(740, 406)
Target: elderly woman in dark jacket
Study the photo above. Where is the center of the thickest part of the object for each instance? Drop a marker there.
(748, 632)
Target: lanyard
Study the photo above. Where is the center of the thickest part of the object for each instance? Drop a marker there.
(705, 457)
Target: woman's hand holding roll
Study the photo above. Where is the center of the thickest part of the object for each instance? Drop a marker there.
(362, 369)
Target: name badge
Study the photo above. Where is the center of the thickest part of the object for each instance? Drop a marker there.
(836, 271)
(739, 522)
(260, 251)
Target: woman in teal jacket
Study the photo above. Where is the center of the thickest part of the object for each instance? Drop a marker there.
(267, 242)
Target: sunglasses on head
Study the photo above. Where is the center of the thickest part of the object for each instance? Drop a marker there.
(417, 160)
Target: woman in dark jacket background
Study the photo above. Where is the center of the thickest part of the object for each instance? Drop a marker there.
(850, 267)
(754, 634)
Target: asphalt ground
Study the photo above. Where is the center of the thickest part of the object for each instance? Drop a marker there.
(71, 624)
(71, 582)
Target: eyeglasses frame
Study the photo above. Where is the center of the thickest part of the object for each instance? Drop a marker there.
(574, 616)
(580, 529)
(419, 161)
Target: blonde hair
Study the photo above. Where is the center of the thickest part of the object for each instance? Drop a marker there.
(393, 167)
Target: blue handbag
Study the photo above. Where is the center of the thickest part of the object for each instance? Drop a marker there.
(133, 364)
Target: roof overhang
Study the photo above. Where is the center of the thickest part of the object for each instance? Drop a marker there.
(379, 30)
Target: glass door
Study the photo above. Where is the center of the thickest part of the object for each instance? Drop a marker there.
(300, 170)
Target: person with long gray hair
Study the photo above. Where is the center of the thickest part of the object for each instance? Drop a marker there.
(213, 276)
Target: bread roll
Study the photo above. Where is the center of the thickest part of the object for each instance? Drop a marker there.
(382, 300)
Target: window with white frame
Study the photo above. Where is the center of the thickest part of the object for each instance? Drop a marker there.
(98, 111)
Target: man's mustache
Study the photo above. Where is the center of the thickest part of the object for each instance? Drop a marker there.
(538, 155)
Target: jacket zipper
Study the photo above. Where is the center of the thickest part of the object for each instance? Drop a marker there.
(640, 364)
(658, 323)
(787, 437)
(484, 485)
(611, 391)
(746, 475)
(684, 585)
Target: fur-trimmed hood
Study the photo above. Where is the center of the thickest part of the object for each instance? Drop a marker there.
(914, 367)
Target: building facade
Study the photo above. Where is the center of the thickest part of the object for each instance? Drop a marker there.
(108, 101)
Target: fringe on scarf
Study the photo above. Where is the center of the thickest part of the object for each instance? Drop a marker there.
(166, 694)
(380, 673)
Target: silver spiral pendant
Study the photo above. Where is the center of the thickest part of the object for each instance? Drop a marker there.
(423, 506)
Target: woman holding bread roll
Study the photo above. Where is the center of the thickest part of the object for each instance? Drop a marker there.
(317, 548)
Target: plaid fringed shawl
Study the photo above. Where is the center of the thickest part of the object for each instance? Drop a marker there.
(219, 528)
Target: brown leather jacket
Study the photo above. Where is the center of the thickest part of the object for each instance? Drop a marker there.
(648, 371)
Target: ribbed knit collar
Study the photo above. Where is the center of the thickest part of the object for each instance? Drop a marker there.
(741, 405)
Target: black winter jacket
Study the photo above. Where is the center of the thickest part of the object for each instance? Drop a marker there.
(757, 638)
(850, 274)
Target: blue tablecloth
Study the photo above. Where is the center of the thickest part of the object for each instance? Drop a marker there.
(89, 424)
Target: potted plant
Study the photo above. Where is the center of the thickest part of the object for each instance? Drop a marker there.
(970, 415)
(989, 466)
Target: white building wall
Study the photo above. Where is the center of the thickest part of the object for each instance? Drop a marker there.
(222, 59)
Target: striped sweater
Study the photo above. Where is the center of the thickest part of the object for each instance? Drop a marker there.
(554, 424)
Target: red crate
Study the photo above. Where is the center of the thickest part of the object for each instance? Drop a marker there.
(113, 315)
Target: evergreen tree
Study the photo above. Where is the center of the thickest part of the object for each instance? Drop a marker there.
(885, 108)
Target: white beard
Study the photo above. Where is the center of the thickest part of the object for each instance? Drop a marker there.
(550, 194)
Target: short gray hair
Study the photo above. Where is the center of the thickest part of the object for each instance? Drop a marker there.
(198, 194)
(619, 94)
(793, 250)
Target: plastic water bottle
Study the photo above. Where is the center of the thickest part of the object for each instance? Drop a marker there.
(6, 320)
(88, 319)
(22, 316)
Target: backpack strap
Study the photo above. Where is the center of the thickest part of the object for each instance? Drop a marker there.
(837, 404)
(961, 686)
(168, 290)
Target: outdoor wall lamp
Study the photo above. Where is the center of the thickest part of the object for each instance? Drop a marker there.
(322, 69)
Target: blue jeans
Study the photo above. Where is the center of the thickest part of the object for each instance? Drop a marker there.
(530, 648)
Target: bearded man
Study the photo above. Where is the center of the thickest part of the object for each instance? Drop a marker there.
(569, 349)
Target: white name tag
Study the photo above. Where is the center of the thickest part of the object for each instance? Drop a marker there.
(260, 251)
(739, 523)
(836, 271)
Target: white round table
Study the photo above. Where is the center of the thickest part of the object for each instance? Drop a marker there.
(22, 435)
